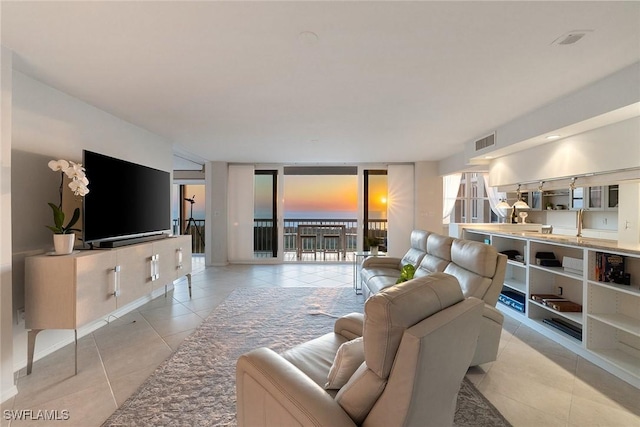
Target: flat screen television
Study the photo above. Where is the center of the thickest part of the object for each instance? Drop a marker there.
(125, 200)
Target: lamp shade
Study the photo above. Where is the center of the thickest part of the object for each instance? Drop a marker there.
(521, 204)
(503, 208)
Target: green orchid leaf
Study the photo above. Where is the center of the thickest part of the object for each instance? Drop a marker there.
(58, 216)
(74, 219)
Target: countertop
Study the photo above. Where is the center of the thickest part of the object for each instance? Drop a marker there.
(586, 242)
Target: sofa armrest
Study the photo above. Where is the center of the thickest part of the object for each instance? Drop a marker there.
(493, 314)
(272, 391)
(381, 261)
(350, 326)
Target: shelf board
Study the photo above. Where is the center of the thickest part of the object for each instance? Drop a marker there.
(619, 321)
(516, 263)
(631, 290)
(573, 316)
(620, 359)
(560, 333)
(560, 271)
(515, 284)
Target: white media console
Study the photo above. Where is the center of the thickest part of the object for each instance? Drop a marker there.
(70, 291)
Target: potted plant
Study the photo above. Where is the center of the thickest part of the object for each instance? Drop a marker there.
(63, 236)
(372, 243)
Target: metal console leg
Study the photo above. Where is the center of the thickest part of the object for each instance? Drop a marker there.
(31, 346)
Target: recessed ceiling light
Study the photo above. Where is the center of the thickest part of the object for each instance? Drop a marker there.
(553, 136)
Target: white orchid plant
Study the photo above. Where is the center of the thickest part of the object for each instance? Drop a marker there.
(79, 185)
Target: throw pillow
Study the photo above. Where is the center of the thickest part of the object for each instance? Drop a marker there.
(349, 357)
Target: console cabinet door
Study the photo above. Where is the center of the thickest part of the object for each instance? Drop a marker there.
(135, 272)
(165, 261)
(96, 281)
(183, 254)
(50, 298)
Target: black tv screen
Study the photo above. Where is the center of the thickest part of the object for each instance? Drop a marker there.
(125, 199)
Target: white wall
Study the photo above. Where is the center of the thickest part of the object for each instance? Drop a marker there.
(7, 387)
(48, 124)
(608, 148)
(429, 197)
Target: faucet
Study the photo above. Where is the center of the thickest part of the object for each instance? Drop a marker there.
(580, 217)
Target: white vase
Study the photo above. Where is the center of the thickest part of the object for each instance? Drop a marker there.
(373, 250)
(63, 243)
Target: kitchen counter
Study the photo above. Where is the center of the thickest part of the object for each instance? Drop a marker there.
(587, 242)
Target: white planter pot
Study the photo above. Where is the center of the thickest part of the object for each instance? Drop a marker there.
(373, 250)
(63, 243)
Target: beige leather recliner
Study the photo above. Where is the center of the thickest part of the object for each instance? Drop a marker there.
(419, 338)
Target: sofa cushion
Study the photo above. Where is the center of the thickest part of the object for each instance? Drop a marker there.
(361, 392)
(316, 357)
(349, 357)
(394, 309)
(378, 283)
(369, 273)
(476, 257)
(474, 265)
(417, 250)
(439, 246)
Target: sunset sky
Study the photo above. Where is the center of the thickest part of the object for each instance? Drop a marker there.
(307, 194)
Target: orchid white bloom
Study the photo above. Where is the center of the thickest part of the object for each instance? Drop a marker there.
(74, 170)
(79, 185)
(58, 165)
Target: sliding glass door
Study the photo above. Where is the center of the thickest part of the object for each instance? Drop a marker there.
(375, 208)
(265, 237)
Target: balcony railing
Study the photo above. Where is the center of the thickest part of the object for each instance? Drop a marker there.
(195, 229)
(316, 226)
(262, 233)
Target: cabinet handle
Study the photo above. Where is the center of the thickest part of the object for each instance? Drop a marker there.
(179, 258)
(155, 274)
(116, 281)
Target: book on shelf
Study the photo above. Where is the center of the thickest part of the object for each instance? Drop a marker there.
(564, 326)
(543, 298)
(609, 268)
(564, 305)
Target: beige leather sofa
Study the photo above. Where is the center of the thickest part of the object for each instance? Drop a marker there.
(479, 268)
(419, 338)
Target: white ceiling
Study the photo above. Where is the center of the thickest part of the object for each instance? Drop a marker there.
(383, 82)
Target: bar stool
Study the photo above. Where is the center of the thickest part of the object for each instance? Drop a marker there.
(331, 244)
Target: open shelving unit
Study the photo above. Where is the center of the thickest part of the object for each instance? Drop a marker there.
(606, 331)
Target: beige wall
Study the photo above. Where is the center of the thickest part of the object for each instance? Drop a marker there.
(608, 148)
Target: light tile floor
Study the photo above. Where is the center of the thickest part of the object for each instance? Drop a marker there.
(534, 382)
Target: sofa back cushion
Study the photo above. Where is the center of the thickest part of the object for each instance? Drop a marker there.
(390, 312)
(438, 255)
(417, 250)
(474, 265)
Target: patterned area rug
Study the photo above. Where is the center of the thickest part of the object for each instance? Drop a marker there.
(196, 385)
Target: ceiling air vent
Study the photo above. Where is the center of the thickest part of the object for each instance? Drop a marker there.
(487, 141)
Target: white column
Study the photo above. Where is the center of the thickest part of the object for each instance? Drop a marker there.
(215, 240)
(7, 386)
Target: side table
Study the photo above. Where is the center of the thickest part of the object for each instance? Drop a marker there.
(357, 285)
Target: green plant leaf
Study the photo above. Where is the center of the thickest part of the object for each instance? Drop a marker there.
(58, 216)
(74, 219)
